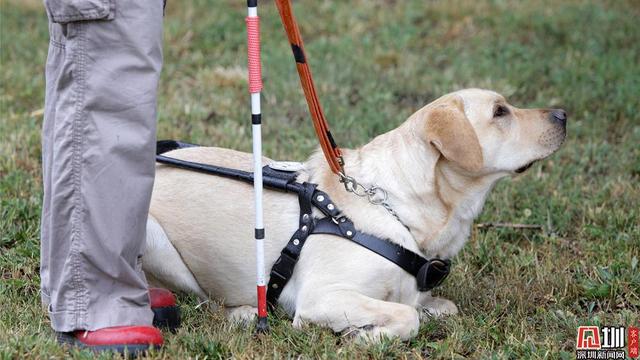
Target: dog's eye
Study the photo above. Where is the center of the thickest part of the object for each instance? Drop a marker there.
(500, 111)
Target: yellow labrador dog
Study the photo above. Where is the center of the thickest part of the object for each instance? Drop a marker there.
(437, 167)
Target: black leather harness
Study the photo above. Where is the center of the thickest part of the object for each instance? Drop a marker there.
(429, 273)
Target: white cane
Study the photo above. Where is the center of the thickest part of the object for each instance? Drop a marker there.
(255, 86)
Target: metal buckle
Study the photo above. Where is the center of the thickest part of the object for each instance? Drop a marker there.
(350, 184)
(432, 274)
(284, 265)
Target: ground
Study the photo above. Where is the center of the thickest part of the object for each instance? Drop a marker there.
(521, 293)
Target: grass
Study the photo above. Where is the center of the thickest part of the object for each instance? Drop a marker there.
(521, 293)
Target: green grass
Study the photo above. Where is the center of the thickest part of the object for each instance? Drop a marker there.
(521, 293)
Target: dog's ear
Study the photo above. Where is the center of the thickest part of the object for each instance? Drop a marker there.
(449, 131)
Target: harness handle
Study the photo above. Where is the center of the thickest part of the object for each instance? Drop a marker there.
(331, 151)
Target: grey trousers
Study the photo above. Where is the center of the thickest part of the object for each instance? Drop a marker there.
(98, 146)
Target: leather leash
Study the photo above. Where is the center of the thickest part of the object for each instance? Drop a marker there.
(331, 151)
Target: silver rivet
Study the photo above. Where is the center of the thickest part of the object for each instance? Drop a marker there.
(304, 228)
(343, 220)
(349, 233)
(320, 198)
(275, 286)
(305, 217)
(296, 242)
(330, 207)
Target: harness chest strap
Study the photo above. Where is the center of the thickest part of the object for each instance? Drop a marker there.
(429, 273)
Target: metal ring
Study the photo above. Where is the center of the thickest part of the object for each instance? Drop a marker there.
(374, 190)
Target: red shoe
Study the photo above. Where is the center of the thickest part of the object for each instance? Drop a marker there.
(133, 340)
(166, 313)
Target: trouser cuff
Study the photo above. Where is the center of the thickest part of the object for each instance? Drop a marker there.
(66, 321)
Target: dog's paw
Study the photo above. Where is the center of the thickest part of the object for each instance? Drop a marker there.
(371, 334)
(241, 315)
(361, 335)
(436, 306)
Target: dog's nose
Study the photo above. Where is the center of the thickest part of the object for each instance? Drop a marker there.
(559, 116)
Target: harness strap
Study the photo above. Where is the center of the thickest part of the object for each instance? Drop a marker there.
(282, 269)
(329, 147)
(429, 273)
(407, 260)
(271, 178)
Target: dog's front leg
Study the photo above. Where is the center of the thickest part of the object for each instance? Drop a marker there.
(437, 306)
(363, 316)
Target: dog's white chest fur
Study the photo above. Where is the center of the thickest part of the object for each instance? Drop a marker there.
(457, 229)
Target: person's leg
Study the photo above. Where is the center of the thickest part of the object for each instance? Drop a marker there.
(98, 160)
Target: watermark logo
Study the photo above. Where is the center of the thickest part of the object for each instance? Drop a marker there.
(588, 338)
(607, 342)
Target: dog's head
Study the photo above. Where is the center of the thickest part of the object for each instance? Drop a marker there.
(479, 133)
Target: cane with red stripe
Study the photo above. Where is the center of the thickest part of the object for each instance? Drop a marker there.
(255, 86)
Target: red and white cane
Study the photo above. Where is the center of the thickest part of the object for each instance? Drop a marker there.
(255, 86)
